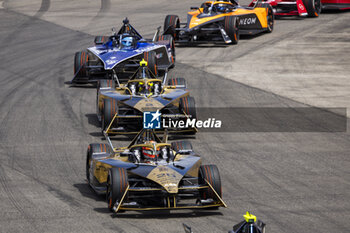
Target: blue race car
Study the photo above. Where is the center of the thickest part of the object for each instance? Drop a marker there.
(117, 57)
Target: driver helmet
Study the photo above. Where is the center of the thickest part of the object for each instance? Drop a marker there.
(148, 153)
(221, 8)
(141, 87)
(127, 42)
(150, 86)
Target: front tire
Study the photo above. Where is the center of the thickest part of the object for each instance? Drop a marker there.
(110, 108)
(231, 24)
(117, 183)
(151, 59)
(94, 151)
(80, 61)
(313, 7)
(211, 174)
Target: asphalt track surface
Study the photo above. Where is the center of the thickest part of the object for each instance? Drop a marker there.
(295, 182)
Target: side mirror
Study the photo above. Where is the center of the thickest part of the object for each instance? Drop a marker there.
(194, 8)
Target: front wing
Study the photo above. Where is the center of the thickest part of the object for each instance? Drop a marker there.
(171, 200)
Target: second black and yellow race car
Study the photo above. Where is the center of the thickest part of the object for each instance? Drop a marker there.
(152, 174)
(217, 21)
(122, 109)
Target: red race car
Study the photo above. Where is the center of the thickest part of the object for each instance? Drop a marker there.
(310, 8)
(335, 4)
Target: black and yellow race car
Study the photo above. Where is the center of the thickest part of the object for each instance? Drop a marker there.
(217, 21)
(152, 174)
(121, 107)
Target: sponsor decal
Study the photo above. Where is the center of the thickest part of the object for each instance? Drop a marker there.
(191, 123)
(301, 7)
(247, 21)
(151, 120)
(111, 60)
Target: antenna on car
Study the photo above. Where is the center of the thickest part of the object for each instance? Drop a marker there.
(143, 64)
(126, 21)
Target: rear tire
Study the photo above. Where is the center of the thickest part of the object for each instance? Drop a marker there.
(80, 60)
(117, 182)
(212, 175)
(110, 108)
(101, 40)
(151, 59)
(313, 7)
(188, 105)
(170, 23)
(231, 24)
(178, 82)
(172, 46)
(181, 145)
(270, 19)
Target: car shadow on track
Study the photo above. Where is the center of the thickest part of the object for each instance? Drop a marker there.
(166, 214)
(92, 119)
(86, 191)
(87, 86)
(335, 11)
(217, 44)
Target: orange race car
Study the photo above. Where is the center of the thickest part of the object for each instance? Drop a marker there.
(217, 21)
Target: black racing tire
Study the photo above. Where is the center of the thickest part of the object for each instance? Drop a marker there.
(270, 19)
(231, 24)
(172, 46)
(170, 23)
(313, 7)
(212, 175)
(104, 83)
(178, 82)
(101, 40)
(188, 105)
(93, 152)
(110, 108)
(117, 183)
(151, 59)
(181, 145)
(80, 60)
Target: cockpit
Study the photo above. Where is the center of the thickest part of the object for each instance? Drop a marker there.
(145, 87)
(152, 152)
(126, 38)
(144, 83)
(218, 7)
